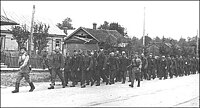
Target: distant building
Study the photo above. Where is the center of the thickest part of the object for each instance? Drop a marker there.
(7, 43)
(89, 39)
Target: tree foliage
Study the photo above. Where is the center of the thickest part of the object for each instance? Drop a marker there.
(40, 36)
(65, 25)
(113, 26)
(21, 34)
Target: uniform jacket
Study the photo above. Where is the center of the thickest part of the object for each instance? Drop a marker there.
(123, 63)
(75, 62)
(113, 63)
(163, 63)
(67, 65)
(58, 60)
(101, 61)
(151, 63)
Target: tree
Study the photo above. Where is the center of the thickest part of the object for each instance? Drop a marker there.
(113, 26)
(21, 34)
(40, 37)
(147, 40)
(104, 26)
(65, 25)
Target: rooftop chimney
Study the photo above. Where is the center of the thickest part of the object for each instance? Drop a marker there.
(94, 26)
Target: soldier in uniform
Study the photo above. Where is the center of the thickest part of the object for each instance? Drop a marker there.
(174, 66)
(123, 66)
(57, 66)
(169, 67)
(197, 63)
(136, 65)
(118, 73)
(67, 68)
(151, 67)
(74, 67)
(101, 63)
(144, 67)
(92, 68)
(163, 63)
(24, 70)
(113, 65)
(47, 62)
(86, 65)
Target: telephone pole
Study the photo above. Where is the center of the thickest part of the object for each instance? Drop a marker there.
(30, 41)
(144, 30)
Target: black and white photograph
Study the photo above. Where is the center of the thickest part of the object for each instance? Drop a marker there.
(99, 54)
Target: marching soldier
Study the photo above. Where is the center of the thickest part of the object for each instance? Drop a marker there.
(57, 66)
(163, 63)
(174, 66)
(24, 70)
(151, 67)
(129, 68)
(74, 67)
(117, 73)
(169, 66)
(193, 63)
(136, 65)
(47, 62)
(86, 65)
(101, 63)
(123, 66)
(67, 68)
(92, 68)
(144, 67)
(113, 66)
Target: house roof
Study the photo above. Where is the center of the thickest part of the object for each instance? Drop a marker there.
(24, 19)
(6, 21)
(99, 34)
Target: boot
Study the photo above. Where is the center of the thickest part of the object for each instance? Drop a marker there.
(83, 86)
(16, 88)
(32, 87)
(98, 84)
(130, 85)
(63, 85)
(138, 84)
(92, 83)
(51, 87)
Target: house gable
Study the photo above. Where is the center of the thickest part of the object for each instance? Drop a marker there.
(81, 36)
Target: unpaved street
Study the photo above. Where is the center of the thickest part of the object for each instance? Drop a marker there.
(181, 91)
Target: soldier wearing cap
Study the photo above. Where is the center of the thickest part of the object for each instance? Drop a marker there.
(169, 66)
(74, 68)
(101, 63)
(174, 66)
(136, 65)
(151, 67)
(123, 66)
(144, 67)
(67, 68)
(117, 73)
(57, 66)
(113, 66)
(163, 63)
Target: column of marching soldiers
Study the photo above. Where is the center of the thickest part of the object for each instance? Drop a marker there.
(97, 67)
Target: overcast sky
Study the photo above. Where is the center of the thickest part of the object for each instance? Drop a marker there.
(169, 18)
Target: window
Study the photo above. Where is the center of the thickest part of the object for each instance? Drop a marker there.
(58, 42)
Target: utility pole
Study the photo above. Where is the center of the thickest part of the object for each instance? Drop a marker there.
(30, 41)
(144, 30)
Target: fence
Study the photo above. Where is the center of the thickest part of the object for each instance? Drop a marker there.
(12, 61)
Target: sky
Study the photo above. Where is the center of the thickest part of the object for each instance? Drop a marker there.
(174, 19)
